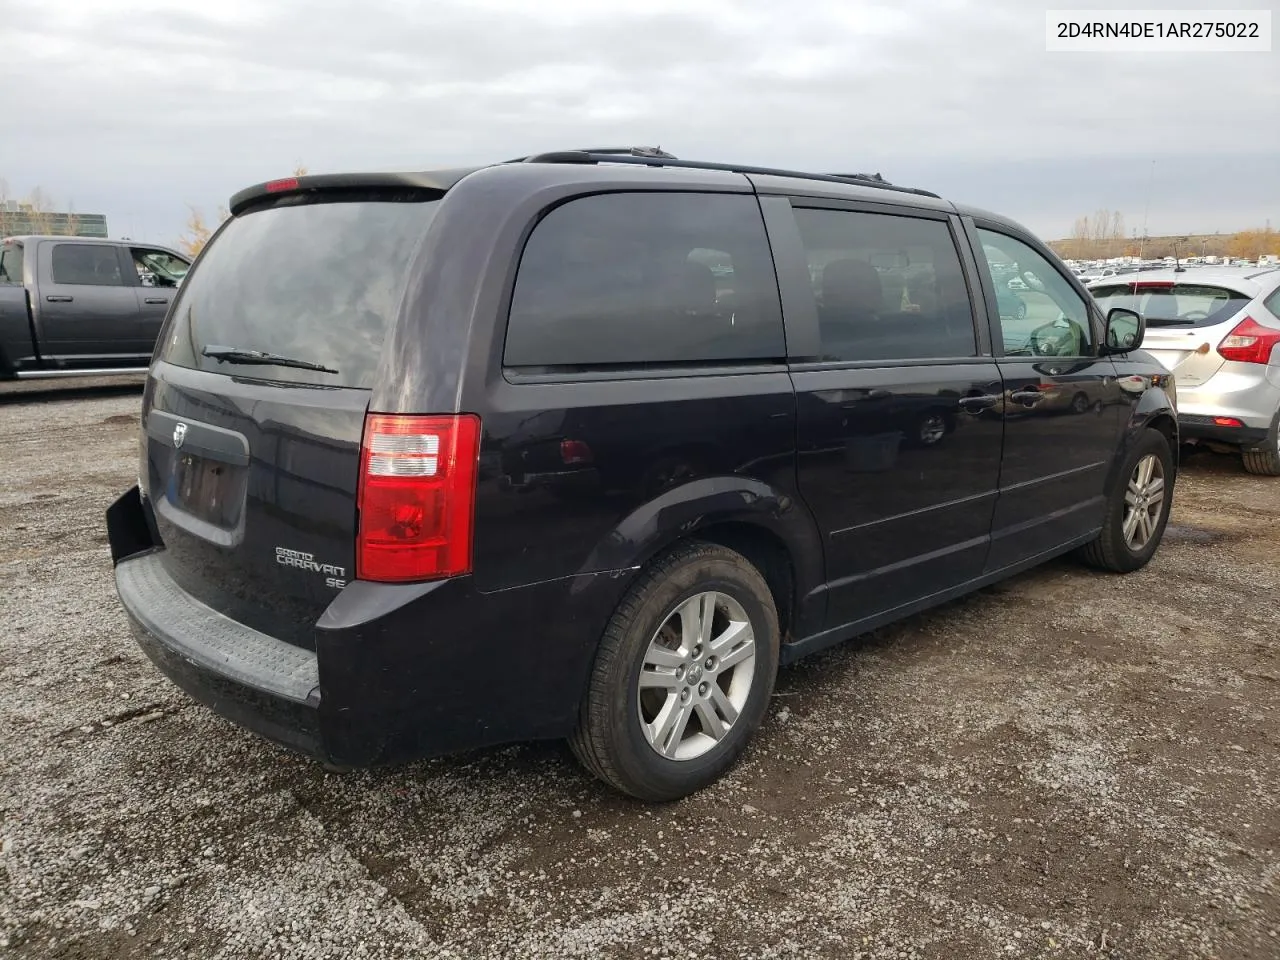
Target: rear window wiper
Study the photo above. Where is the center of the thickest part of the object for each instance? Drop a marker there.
(236, 355)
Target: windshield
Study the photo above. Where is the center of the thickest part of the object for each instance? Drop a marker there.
(313, 280)
(1183, 305)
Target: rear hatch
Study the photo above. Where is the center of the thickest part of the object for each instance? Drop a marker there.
(1186, 320)
(253, 415)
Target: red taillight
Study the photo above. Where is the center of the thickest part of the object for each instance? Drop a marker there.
(574, 452)
(417, 496)
(1227, 422)
(280, 186)
(1152, 285)
(1249, 342)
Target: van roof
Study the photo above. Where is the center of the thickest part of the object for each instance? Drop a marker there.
(577, 164)
(639, 164)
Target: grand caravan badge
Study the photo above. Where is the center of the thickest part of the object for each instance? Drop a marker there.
(334, 576)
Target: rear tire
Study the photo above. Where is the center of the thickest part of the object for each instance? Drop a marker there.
(614, 740)
(1127, 542)
(1264, 461)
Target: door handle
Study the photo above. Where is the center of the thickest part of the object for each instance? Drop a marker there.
(979, 402)
(1027, 396)
(59, 299)
(156, 300)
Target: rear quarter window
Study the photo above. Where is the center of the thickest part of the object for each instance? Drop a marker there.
(1182, 305)
(646, 278)
(1273, 302)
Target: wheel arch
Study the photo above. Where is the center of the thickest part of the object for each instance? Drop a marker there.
(1153, 411)
(768, 553)
(772, 528)
(1166, 424)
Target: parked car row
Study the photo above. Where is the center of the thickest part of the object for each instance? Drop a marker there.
(586, 445)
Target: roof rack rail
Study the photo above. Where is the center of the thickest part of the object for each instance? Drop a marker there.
(656, 157)
(657, 152)
(862, 176)
(583, 155)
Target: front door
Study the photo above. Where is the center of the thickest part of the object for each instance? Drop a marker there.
(899, 436)
(158, 273)
(86, 309)
(1062, 406)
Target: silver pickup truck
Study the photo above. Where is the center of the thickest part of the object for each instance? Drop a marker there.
(71, 306)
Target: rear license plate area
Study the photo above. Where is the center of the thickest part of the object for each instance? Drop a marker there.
(207, 489)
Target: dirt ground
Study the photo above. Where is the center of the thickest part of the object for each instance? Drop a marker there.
(1069, 764)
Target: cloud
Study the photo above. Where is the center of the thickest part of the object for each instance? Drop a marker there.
(137, 108)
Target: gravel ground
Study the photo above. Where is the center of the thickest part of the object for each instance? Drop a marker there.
(1066, 765)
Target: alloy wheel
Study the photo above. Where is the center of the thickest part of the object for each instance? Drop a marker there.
(1143, 502)
(696, 676)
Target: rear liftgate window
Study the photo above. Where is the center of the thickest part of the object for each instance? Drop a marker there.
(1166, 304)
(316, 279)
(633, 279)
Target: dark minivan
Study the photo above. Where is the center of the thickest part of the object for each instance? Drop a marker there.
(586, 445)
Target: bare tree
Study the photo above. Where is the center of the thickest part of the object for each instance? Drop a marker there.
(1079, 245)
(39, 210)
(1116, 234)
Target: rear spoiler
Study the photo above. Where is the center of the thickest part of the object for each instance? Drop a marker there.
(436, 180)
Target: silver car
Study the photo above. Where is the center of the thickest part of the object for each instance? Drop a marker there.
(1217, 330)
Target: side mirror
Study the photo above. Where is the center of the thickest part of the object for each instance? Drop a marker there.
(1125, 330)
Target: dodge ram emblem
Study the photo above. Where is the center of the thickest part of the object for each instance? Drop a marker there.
(179, 434)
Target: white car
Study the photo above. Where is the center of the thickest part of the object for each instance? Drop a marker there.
(1218, 331)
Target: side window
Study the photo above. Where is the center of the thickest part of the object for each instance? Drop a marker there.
(10, 262)
(1041, 314)
(86, 263)
(1273, 302)
(630, 278)
(156, 268)
(888, 287)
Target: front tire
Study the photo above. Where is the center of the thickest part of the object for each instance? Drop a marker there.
(1137, 510)
(682, 677)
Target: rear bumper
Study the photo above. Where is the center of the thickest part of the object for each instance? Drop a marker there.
(1243, 391)
(259, 682)
(400, 671)
(1202, 427)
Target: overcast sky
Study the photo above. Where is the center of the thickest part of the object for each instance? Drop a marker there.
(137, 108)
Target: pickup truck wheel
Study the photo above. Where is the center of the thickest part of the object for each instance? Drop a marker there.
(1264, 460)
(1137, 510)
(682, 677)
